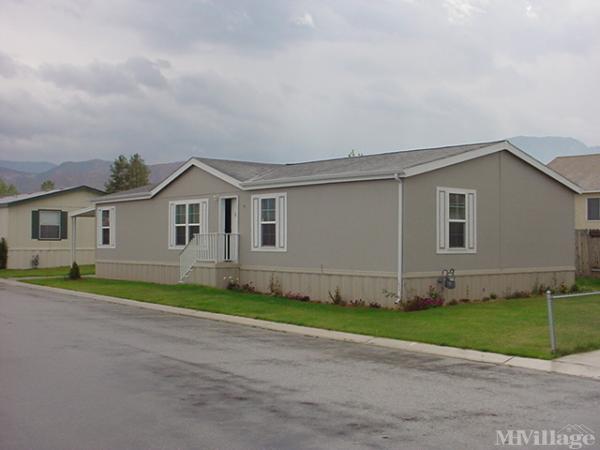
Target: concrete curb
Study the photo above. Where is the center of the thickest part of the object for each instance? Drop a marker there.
(555, 366)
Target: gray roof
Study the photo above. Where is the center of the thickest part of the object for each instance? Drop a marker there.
(369, 164)
(583, 170)
(251, 174)
(12, 199)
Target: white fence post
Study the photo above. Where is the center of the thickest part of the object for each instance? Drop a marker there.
(551, 321)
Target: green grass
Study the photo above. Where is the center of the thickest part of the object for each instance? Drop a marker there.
(46, 272)
(514, 327)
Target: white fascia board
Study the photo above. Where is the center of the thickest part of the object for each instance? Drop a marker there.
(84, 212)
(321, 179)
(484, 151)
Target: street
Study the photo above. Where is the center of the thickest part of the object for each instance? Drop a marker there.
(83, 374)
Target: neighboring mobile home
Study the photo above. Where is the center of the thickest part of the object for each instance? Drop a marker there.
(38, 231)
(368, 225)
(585, 171)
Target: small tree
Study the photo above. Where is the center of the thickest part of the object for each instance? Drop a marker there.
(48, 185)
(118, 175)
(3, 253)
(138, 173)
(7, 189)
(74, 273)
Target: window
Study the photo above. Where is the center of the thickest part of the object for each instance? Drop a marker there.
(456, 220)
(187, 218)
(593, 208)
(269, 222)
(106, 227)
(49, 225)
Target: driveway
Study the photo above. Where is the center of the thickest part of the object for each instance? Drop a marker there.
(84, 374)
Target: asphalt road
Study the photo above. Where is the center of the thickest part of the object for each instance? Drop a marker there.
(84, 374)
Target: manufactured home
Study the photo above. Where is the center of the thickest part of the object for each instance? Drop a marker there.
(376, 227)
(38, 231)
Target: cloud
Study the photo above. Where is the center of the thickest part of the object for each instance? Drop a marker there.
(296, 80)
(101, 78)
(304, 20)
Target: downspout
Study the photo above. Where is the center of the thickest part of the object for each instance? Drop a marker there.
(400, 235)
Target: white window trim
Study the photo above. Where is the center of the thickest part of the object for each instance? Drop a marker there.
(112, 217)
(587, 215)
(280, 222)
(203, 225)
(443, 220)
(40, 238)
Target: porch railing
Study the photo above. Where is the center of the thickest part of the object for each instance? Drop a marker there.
(208, 247)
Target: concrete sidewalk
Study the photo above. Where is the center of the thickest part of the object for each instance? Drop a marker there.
(585, 365)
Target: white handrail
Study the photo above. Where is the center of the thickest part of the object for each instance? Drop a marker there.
(208, 247)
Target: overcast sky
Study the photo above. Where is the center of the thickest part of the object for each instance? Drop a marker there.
(288, 81)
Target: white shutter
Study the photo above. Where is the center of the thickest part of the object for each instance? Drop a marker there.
(204, 216)
(471, 221)
(171, 224)
(255, 222)
(112, 217)
(98, 227)
(442, 222)
(282, 222)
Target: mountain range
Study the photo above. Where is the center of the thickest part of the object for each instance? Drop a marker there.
(27, 176)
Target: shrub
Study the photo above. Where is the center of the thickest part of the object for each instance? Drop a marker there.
(357, 303)
(374, 305)
(275, 287)
(465, 300)
(297, 296)
(517, 294)
(452, 303)
(74, 273)
(233, 284)
(574, 288)
(336, 297)
(562, 288)
(485, 299)
(493, 296)
(421, 303)
(3, 253)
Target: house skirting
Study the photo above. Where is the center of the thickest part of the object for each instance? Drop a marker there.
(478, 284)
(20, 258)
(353, 285)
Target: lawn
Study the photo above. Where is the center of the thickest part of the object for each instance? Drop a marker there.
(514, 327)
(46, 272)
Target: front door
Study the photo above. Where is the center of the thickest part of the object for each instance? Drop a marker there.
(229, 226)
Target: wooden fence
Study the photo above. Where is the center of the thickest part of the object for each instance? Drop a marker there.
(587, 252)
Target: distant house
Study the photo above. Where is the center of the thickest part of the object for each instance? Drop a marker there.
(369, 225)
(585, 171)
(39, 232)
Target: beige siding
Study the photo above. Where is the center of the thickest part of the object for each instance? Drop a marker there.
(581, 220)
(521, 220)
(348, 226)
(345, 234)
(4, 223)
(52, 253)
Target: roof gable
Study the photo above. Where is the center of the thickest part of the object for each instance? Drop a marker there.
(245, 175)
(22, 198)
(581, 169)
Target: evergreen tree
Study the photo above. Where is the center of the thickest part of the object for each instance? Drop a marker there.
(118, 175)
(7, 189)
(138, 172)
(48, 185)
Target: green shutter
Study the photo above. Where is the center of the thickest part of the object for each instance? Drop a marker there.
(35, 224)
(64, 223)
